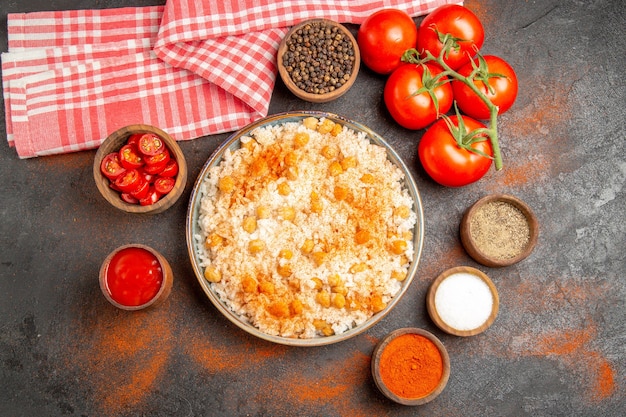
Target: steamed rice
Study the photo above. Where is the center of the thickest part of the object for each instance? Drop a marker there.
(306, 229)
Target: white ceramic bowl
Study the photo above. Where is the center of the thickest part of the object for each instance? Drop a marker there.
(193, 229)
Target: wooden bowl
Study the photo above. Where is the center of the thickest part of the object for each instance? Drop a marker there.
(465, 301)
(479, 250)
(311, 96)
(159, 297)
(376, 363)
(113, 143)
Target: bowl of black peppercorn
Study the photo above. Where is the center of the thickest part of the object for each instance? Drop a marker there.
(318, 60)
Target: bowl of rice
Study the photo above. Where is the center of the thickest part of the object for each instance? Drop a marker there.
(304, 228)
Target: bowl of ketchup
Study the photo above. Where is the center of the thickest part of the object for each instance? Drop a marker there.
(135, 276)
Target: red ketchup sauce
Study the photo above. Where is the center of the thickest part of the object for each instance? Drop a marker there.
(134, 276)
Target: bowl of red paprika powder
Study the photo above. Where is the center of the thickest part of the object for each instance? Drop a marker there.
(410, 366)
(135, 277)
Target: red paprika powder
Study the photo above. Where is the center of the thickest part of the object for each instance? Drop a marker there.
(411, 366)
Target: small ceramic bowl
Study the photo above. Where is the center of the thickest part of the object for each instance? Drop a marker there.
(462, 301)
(113, 143)
(490, 230)
(135, 272)
(312, 96)
(379, 378)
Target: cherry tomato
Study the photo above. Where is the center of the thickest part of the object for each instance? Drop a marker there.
(141, 191)
(495, 78)
(129, 198)
(134, 139)
(111, 166)
(152, 197)
(383, 37)
(446, 162)
(460, 23)
(151, 144)
(161, 158)
(164, 185)
(171, 169)
(128, 181)
(407, 98)
(130, 157)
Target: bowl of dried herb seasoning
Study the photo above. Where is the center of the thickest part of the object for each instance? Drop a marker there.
(499, 230)
(318, 60)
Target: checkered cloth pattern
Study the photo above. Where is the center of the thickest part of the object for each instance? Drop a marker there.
(192, 68)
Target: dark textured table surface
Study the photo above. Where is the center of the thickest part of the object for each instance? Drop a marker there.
(557, 347)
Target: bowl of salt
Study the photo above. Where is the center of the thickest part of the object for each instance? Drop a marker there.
(462, 301)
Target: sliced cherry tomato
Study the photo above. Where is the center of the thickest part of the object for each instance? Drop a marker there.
(383, 37)
(409, 92)
(164, 185)
(495, 78)
(461, 24)
(158, 159)
(155, 169)
(134, 139)
(111, 166)
(142, 189)
(146, 176)
(446, 162)
(129, 198)
(151, 144)
(152, 197)
(130, 157)
(128, 181)
(171, 169)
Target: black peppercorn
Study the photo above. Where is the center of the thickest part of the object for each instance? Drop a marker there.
(319, 58)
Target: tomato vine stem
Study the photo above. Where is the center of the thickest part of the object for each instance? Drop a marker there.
(413, 56)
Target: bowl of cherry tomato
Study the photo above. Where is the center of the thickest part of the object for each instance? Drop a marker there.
(140, 169)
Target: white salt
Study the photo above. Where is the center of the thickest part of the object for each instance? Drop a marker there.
(463, 301)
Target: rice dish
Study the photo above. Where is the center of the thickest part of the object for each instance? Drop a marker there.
(306, 230)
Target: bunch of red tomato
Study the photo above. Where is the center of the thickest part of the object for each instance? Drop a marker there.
(142, 171)
(432, 67)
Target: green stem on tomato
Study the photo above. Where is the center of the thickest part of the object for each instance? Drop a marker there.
(412, 56)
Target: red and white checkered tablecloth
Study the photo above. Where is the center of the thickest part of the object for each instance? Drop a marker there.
(192, 68)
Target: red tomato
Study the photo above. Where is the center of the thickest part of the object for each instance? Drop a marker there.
(164, 185)
(141, 191)
(384, 37)
(493, 72)
(445, 161)
(151, 144)
(130, 157)
(161, 158)
(134, 139)
(152, 197)
(461, 24)
(171, 169)
(128, 181)
(407, 97)
(129, 198)
(111, 166)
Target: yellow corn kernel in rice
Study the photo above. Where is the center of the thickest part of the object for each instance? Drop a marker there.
(318, 284)
(340, 192)
(337, 129)
(256, 246)
(284, 270)
(291, 173)
(290, 159)
(300, 139)
(326, 126)
(398, 247)
(296, 307)
(329, 152)
(249, 224)
(402, 211)
(307, 246)
(287, 213)
(249, 285)
(212, 275)
(376, 303)
(319, 257)
(334, 280)
(348, 162)
(398, 275)
(267, 287)
(310, 123)
(285, 254)
(226, 184)
(316, 203)
(284, 189)
(279, 309)
(335, 169)
(338, 300)
(323, 298)
(213, 240)
(358, 267)
(263, 212)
